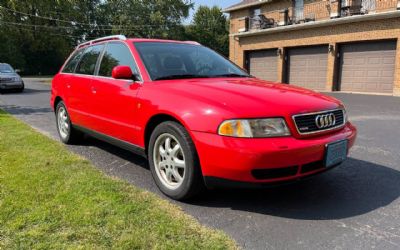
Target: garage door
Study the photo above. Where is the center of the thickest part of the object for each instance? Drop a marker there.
(307, 67)
(263, 64)
(367, 67)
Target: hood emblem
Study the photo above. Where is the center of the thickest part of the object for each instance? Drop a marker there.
(325, 121)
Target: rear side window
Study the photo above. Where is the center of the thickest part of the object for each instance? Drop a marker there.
(71, 64)
(116, 54)
(87, 65)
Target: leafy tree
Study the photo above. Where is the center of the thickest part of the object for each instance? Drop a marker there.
(37, 35)
(210, 28)
(40, 33)
(149, 18)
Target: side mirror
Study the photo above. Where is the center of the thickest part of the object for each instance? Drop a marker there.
(17, 71)
(123, 72)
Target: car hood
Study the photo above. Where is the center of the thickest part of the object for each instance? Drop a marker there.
(251, 97)
(8, 75)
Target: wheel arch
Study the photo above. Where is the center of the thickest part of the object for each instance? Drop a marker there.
(154, 121)
(56, 101)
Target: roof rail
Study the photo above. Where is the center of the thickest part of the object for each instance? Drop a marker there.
(193, 42)
(106, 38)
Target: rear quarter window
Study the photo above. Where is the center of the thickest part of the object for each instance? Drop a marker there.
(73, 61)
(87, 64)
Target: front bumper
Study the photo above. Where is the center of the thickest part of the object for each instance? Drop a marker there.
(264, 160)
(11, 85)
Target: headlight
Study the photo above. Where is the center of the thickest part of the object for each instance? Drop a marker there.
(254, 128)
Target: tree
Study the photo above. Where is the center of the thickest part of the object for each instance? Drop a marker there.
(37, 35)
(210, 28)
(149, 18)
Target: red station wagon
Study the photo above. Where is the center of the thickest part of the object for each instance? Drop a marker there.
(200, 120)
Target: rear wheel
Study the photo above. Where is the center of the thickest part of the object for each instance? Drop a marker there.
(67, 133)
(174, 162)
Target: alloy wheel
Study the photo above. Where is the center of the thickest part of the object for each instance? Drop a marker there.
(63, 123)
(169, 161)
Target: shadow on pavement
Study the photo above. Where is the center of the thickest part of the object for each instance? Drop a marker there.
(25, 110)
(121, 153)
(354, 188)
(27, 91)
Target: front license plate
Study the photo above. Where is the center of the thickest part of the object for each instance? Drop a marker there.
(335, 153)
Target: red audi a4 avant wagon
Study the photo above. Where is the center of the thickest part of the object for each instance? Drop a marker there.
(200, 120)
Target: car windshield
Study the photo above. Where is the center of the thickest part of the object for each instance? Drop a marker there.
(166, 61)
(5, 68)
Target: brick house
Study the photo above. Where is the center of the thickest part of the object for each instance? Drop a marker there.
(325, 45)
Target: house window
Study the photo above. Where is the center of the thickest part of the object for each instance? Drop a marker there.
(299, 10)
(255, 12)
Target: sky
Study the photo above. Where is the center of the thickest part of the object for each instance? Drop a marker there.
(221, 3)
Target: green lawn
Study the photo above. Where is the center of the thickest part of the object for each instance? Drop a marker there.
(52, 198)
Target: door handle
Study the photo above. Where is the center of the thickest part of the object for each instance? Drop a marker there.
(68, 86)
(94, 91)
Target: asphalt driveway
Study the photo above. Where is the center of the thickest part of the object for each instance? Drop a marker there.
(355, 206)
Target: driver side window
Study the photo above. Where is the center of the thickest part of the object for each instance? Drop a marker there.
(116, 54)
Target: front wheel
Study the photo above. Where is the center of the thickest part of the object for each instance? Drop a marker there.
(21, 89)
(174, 162)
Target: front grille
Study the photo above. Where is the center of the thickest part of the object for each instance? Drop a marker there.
(5, 80)
(307, 124)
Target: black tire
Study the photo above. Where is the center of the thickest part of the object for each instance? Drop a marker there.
(192, 183)
(20, 90)
(73, 136)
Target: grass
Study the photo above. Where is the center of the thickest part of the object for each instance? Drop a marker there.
(52, 198)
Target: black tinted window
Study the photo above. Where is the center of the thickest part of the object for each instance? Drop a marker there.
(116, 54)
(88, 62)
(5, 68)
(71, 64)
(176, 60)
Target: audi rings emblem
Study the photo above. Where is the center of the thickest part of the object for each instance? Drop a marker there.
(325, 121)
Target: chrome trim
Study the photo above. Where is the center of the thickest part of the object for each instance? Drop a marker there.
(105, 77)
(320, 112)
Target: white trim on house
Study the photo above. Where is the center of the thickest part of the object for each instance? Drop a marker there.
(322, 23)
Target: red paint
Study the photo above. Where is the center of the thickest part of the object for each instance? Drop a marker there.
(122, 109)
(122, 72)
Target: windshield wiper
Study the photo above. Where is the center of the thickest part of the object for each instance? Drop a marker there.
(231, 75)
(171, 77)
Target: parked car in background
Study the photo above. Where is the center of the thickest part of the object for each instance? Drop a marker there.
(9, 79)
(200, 120)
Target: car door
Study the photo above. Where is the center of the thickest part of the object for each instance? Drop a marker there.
(79, 87)
(66, 78)
(115, 100)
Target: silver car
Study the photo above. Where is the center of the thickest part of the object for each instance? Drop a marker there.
(9, 79)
